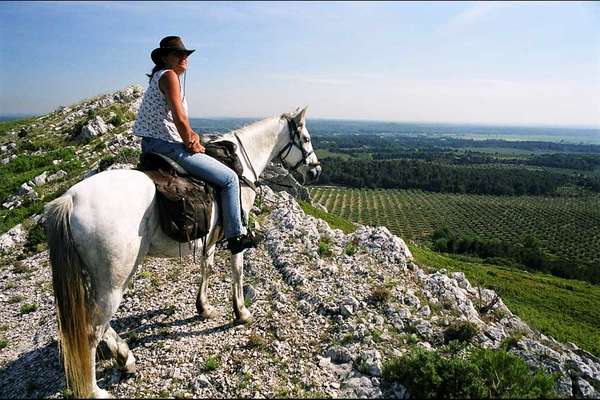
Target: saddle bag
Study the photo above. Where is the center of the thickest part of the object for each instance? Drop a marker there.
(184, 203)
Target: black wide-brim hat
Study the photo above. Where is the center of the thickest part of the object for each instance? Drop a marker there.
(168, 44)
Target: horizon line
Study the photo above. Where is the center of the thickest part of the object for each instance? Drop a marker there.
(488, 124)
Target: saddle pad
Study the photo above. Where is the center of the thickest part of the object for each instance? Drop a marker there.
(184, 204)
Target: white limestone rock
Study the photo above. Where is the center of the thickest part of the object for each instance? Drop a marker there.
(16, 236)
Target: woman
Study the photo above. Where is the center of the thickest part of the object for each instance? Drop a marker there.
(163, 124)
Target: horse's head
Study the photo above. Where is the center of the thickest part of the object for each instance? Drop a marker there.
(298, 153)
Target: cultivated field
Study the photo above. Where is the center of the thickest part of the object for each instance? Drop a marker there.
(567, 226)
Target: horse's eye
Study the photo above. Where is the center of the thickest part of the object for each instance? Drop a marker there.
(306, 139)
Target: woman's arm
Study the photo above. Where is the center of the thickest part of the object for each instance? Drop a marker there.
(169, 85)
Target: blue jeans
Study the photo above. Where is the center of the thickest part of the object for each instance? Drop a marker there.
(206, 168)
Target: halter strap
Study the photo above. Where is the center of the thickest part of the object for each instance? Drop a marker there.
(294, 133)
(246, 156)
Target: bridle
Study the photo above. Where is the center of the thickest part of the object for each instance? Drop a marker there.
(295, 134)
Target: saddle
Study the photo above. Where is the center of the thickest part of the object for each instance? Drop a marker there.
(184, 201)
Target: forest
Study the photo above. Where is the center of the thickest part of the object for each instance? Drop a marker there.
(434, 165)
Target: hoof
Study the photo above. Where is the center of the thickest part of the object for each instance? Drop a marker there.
(101, 394)
(130, 367)
(208, 313)
(244, 317)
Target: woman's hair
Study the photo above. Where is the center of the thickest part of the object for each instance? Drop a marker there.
(156, 68)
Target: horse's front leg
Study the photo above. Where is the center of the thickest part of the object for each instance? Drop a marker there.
(205, 310)
(237, 274)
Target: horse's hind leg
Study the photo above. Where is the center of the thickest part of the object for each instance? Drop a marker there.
(106, 303)
(97, 393)
(205, 310)
(120, 351)
(237, 276)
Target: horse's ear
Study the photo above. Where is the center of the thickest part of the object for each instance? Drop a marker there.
(299, 117)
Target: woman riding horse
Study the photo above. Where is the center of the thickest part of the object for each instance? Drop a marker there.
(163, 124)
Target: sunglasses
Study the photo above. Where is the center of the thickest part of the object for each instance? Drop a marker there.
(180, 54)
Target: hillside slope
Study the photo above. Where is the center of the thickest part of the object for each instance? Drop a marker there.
(335, 314)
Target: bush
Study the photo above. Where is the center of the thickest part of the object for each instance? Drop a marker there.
(27, 308)
(36, 238)
(106, 162)
(461, 331)
(211, 363)
(483, 373)
(350, 249)
(380, 294)
(121, 115)
(324, 249)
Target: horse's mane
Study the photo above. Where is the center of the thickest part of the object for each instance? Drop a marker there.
(241, 130)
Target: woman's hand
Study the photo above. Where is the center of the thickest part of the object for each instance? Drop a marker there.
(194, 144)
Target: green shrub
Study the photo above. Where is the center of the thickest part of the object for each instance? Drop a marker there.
(483, 373)
(461, 331)
(19, 267)
(28, 308)
(350, 249)
(121, 115)
(511, 341)
(36, 239)
(211, 363)
(3, 343)
(106, 162)
(256, 342)
(100, 146)
(380, 294)
(324, 249)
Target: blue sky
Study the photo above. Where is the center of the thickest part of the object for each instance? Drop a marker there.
(507, 63)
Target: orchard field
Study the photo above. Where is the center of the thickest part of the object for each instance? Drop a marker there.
(567, 226)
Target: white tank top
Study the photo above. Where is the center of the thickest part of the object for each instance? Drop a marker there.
(154, 118)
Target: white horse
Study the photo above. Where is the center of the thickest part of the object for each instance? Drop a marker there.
(101, 229)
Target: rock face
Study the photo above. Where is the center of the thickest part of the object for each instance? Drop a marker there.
(278, 179)
(318, 330)
(96, 127)
(12, 238)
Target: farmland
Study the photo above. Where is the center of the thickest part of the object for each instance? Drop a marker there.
(565, 309)
(569, 226)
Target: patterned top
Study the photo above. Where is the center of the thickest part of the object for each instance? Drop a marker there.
(154, 118)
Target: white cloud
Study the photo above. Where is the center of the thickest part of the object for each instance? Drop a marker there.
(476, 12)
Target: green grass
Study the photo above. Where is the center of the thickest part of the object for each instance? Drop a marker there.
(334, 221)
(565, 309)
(569, 226)
(6, 126)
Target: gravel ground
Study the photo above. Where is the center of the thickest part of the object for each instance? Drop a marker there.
(318, 329)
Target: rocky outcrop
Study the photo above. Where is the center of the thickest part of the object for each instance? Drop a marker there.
(319, 329)
(14, 237)
(95, 127)
(279, 179)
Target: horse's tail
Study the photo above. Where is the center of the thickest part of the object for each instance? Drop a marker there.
(74, 327)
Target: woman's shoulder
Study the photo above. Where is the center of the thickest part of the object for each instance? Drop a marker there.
(166, 72)
(160, 73)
